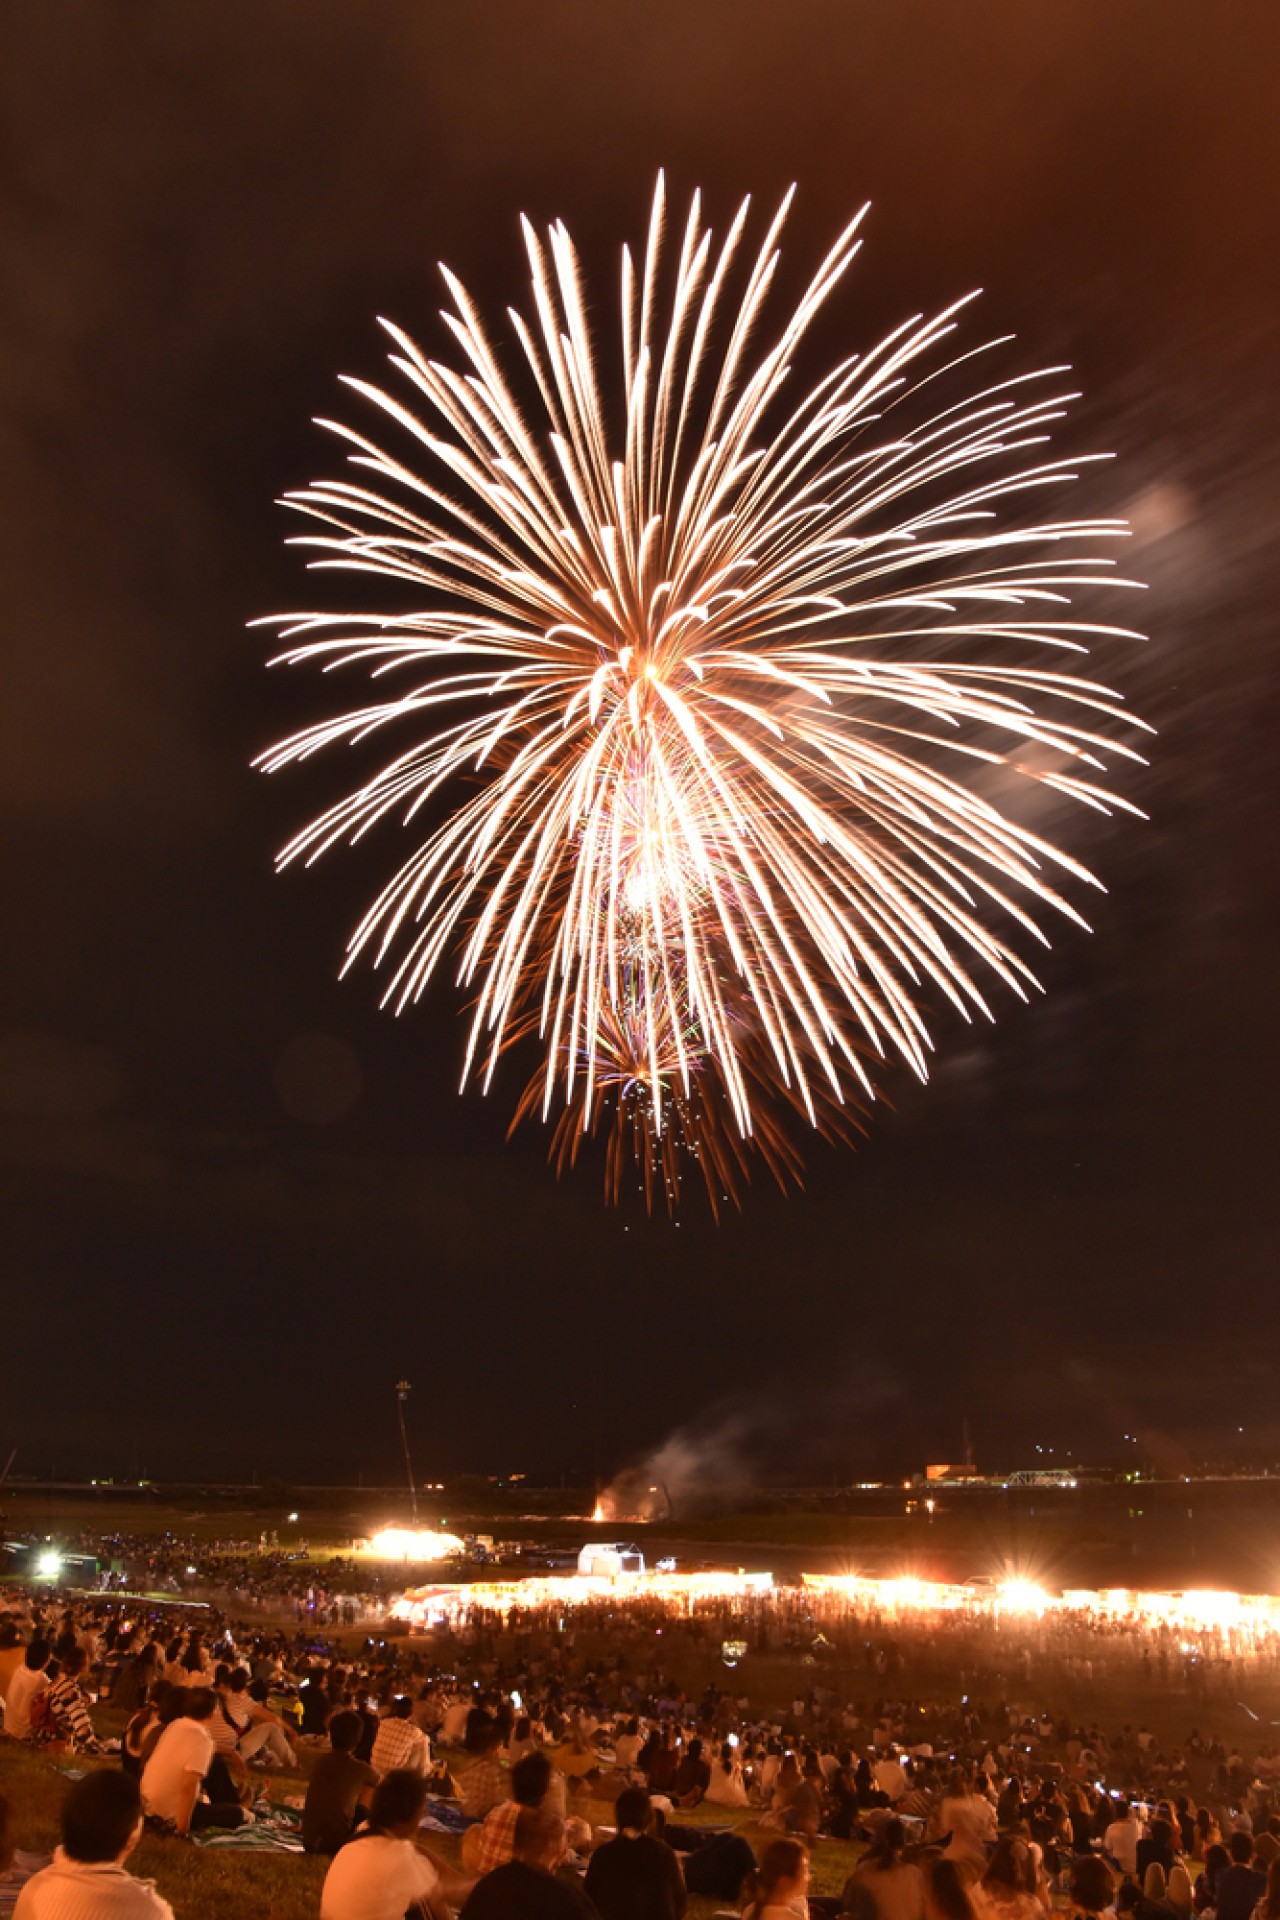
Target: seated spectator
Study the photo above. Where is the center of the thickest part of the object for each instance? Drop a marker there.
(484, 1783)
(626, 1748)
(1239, 1886)
(1121, 1838)
(101, 1825)
(135, 1676)
(31, 1678)
(490, 1845)
(970, 1819)
(1093, 1887)
(693, 1776)
(527, 1887)
(946, 1890)
(1178, 1891)
(787, 1783)
(726, 1786)
(1207, 1834)
(884, 1886)
(575, 1756)
(1268, 1908)
(68, 1708)
(1012, 1888)
(255, 1732)
(382, 1874)
(780, 1885)
(1155, 1903)
(1205, 1891)
(138, 1742)
(340, 1785)
(636, 1876)
(890, 1776)
(1157, 1849)
(174, 1775)
(400, 1743)
(804, 1815)
(11, 1653)
(314, 1701)
(16, 1867)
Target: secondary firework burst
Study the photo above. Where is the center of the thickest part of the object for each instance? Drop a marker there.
(696, 685)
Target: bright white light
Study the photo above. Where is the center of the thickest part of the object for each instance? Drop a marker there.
(49, 1564)
(680, 1592)
(293, 1517)
(408, 1543)
(1022, 1596)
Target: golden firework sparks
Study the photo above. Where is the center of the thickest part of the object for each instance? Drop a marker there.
(690, 686)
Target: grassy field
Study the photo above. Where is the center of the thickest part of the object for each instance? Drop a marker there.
(206, 1885)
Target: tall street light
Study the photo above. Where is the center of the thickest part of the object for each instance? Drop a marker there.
(402, 1394)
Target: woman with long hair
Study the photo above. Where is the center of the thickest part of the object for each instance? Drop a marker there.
(1012, 1888)
(1092, 1888)
(780, 1885)
(884, 1885)
(726, 1787)
(1268, 1908)
(1205, 1894)
(1208, 1834)
(946, 1892)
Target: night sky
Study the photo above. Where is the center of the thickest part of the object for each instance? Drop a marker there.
(239, 1201)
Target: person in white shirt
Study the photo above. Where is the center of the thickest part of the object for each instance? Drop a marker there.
(29, 1679)
(727, 1787)
(87, 1880)
(174, 1775)
(382, 1874)
(968, 1818)
(1121, 1838)
(890, 1776)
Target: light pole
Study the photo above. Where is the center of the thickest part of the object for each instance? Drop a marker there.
(402, 1394)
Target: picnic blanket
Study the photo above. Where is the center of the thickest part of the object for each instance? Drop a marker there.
(254, 1839)
(275, 1829)
(445, 1816)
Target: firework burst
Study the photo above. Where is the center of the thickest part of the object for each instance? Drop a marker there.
(694, 674)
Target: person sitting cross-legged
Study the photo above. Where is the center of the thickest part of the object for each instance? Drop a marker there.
(339, 1786)
(101, 1825)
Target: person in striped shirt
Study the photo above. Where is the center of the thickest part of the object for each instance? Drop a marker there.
(68, 1707)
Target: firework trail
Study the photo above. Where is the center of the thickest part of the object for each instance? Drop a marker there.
(691, 673)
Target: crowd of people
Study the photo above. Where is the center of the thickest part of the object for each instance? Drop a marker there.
(581, 1777)
(264, 1576)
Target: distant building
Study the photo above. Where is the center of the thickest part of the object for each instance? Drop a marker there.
(942, 1471)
